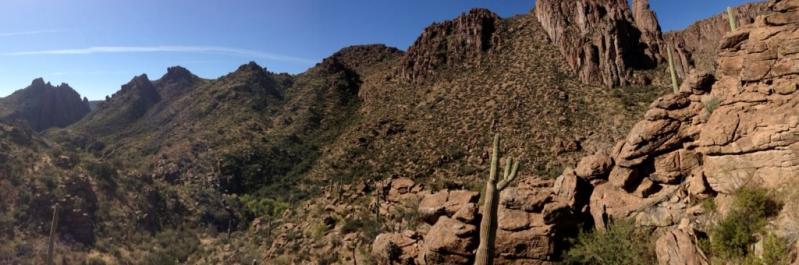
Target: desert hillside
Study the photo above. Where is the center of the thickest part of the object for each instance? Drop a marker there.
(377, 155)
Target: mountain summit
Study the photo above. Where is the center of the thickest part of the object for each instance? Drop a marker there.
(42, 105)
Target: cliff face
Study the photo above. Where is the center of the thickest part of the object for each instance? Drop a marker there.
(601, 40)
(42, 105)
(606, 42)
(461, 41)
(697, 45)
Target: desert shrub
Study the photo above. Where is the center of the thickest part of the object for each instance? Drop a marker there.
(368, 227)
(775, 252)
(105, 175)
(731, 237)
(710, 103)
(262, 206)
(172, 247)
(620, 244)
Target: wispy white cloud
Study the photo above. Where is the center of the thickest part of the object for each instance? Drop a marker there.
(26, 33)
(177, 49)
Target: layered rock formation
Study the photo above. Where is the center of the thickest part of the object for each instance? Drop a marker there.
(462, 41)
(720, 132)
(42, 105)
(601, 40)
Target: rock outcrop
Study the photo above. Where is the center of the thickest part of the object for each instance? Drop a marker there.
(698, 45)
(462, 41)
(601, 40)
(721, 131)
(532, 218)
(42, 105)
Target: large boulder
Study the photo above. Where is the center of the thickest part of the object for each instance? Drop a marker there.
(594, 166)
(448, 203)
(450, 241)
(396, 248)
(679, 247)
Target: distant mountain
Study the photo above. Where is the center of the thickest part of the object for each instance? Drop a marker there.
(42, 105)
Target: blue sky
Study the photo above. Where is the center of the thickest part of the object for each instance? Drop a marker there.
(98, 45)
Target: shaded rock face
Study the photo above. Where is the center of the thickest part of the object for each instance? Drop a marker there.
(128, 104)
(600, 40)
(697, 45)
(42, 105)
(176, 82)
(461, 41)
(721, 131)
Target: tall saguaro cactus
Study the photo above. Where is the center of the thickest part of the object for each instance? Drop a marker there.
(488, 225)
(51, 241)
(673, 73)
(731, 18)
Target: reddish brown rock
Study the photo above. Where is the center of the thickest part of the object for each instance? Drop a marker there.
(598, 39)
(452, 43)
(679, 247)
(447, 203)
(399, 189)
(594, 166)
(697, 46)
(450, 242)
(396, 248)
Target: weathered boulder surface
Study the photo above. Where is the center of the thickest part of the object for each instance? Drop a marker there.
(532, 217)
(679, 247)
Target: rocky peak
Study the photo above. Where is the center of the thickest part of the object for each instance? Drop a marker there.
(361, 57)
(38, 82)
(250, 68)
(601, 40)
(177, 74)
(647, 23)
(42, 106)
(456, 42)
(176, 82)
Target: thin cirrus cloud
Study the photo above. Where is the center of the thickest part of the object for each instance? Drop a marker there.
(27, 33)
(174, 49)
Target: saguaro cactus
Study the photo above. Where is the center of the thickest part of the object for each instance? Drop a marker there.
(488, 225)
(51, 241)
(731, 18)
(674, 85)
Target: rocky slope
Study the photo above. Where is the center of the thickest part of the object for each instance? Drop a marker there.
(42, 105)
(734, 128)
(430, 131)
(376, 154)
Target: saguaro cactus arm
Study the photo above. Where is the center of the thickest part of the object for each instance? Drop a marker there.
(509, 175)
(731, 18)
(673, 73)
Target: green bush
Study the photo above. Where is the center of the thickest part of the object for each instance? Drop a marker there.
(263, 207)
(731, 237)
(620, 244)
